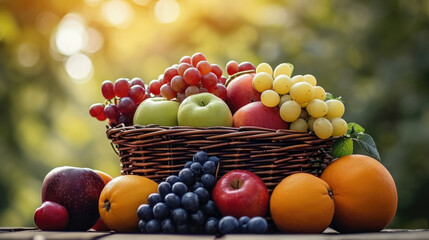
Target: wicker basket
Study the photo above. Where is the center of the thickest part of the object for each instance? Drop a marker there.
(156, 152)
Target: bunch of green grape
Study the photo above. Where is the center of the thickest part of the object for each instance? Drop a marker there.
(302, 103)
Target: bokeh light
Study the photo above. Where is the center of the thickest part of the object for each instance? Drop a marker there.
(118, 13)
(28, 54)
(167, 11)
(71, 35)
(79, 67)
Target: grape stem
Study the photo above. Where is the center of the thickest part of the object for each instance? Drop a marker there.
(233, 76)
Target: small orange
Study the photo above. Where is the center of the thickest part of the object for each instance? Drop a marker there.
(364, 193)
(302, 203)
(106, 177)
(120, 199)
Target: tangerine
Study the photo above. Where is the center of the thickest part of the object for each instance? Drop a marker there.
(302, 203)
(106, 177)
(364, 194)
(120, 199)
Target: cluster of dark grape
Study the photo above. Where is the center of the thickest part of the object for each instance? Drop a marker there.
(194, 74)
(122, 98)
(183, 204)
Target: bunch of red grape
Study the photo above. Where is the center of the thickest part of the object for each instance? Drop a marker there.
(122, 98)
(194, 74)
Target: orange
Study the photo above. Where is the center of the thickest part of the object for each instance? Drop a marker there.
(364, 193)
(301, 203)
(120, 199)
(106, 177)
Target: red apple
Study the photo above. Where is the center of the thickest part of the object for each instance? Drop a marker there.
(51, 216)
(78, 190)
(258, 115)
(100, 226)
(241, 193)
(240, 92)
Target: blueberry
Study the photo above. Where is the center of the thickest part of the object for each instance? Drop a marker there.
(196, 167)
(179, 189)
(244, 220)
(209, 167)
(172, 200)
(164, 188)
(153, 199)
(142, 226)
(144, 212)
(198, 218)
(187, 176)
(210, 208)
(153, 226)
(228, 224)
(182, 228)
(172, 179)
(167, 226)
(197, 185)
(203, 194)
(200, 157)
(179, 215)
(160, 211)
(190, 202)
(188, 164)
(214, 159)
(208, 180)
(211, 226)
(257, 225)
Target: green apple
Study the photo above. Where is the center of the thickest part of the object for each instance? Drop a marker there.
(157, 110)
(204, 110)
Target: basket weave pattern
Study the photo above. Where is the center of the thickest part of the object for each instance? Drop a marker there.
(156, 152)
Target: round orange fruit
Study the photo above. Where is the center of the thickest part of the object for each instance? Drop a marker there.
(364, 193)
(100, 225)
(302, 203)
(120, 199)
(106, 177)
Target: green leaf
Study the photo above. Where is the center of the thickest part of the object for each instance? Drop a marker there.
(329, 96)
(354, 129)
(368, 144)
(342, 147)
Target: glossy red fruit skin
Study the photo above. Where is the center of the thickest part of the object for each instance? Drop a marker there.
(241, 193)
(258, 115)
(51, 216)
(241, 92)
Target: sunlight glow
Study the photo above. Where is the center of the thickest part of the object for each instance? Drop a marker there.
(71, 35)
(167, 10)
(118, 13)
(79, 67)
(28, 54)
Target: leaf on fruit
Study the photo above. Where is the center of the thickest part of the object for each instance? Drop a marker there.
(354, 129)
(342, 147)
(368, 144)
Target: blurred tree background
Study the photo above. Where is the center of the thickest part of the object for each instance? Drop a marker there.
(55, 54)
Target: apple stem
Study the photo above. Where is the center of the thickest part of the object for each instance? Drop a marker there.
(236, 184)
(203, 103)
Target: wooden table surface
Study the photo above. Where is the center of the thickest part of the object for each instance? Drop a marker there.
(11, 233)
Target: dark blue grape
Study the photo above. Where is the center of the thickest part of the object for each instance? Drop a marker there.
(182, 228)
(257, 225)
(208, 180)
(160, 211)
(196, 167)
(172, 179)
(190, 202)
(153, 199)
(179, 215)
(172, 200)
(228, 224)
(142, 226)
(188, 164)
(179, 189)
(153, 226)
(200, 157)
(203, 194)
(197, 185)
(214, 159)
(167, 226)
(209, 167)
(164, 188)
(187, 176)
(144, 212)
(244, 220)
(210, 208)
(198, 218)
(211, 226)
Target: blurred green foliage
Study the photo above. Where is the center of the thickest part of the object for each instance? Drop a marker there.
(375, 54)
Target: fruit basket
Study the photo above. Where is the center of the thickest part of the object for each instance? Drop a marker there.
(156, 151)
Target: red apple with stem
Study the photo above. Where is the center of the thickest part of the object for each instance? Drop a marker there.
(241, 193)
(51, 216)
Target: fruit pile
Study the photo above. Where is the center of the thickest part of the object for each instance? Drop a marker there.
(194, 93)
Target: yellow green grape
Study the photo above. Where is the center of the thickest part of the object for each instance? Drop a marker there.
(290, 111)
(270, 98)
(262, 81)
(322, 127)
(317, 108)
(282, 84)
